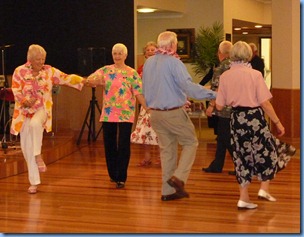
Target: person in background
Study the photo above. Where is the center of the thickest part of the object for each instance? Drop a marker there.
(223, 126)
(32, 85)
(149, 50)
(255, 151)
(122, 86)
(213, 120)
(256, 61)
(166, 86)
(143, 132)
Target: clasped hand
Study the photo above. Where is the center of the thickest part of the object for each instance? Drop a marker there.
(94, 80)
(29, 103)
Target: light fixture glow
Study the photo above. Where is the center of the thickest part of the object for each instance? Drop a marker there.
(258, 26)
(245, 33)
(237, 28)
(146, 10)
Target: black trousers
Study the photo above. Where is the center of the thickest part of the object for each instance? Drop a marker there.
(116, 138)
(223, 144)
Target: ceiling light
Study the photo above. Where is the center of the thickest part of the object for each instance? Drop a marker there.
(245, 33)
(258, 26)
(237, 28)
(146, 10)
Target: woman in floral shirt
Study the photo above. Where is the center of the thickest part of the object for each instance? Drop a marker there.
(122, 86)
(32, 85)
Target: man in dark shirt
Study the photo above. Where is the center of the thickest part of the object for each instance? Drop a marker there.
(256, 61)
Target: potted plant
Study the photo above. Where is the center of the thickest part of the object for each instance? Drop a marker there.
(206, 45)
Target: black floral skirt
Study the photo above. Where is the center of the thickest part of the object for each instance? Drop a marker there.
(256, 151)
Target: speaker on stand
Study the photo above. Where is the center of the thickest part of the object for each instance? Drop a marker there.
(89, 60)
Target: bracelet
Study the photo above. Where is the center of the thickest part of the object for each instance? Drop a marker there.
(277, 122)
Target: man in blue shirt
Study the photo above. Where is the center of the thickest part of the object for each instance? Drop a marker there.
(166, 87)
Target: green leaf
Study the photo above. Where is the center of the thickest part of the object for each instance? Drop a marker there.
(206, 45)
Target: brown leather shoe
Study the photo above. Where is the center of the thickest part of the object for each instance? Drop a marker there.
(178, 185)
(171, 197)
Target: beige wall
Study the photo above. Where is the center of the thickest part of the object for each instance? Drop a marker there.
(199, 13)
(247, 10)
(286, 44)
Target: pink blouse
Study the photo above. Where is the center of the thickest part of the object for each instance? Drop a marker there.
(242, 86)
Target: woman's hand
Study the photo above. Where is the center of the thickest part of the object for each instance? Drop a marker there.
(280, 129)
(209, 111)
(29, 103)
(95, 80)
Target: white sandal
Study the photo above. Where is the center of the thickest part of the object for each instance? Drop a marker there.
(32, 189)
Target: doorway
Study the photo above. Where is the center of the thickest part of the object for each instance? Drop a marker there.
(265, 52)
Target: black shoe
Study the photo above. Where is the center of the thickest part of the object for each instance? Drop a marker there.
(171, 197)
(120, 185)
(231, 172)
(209, 170)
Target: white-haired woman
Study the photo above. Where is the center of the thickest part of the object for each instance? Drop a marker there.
(122, 86)
(32, 85)
(255, 150)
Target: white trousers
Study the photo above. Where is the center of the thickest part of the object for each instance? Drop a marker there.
(31, 136)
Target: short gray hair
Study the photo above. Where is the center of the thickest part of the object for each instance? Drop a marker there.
(120, 46)
(166, 39)
(225, 47)
(240, 51)
(33, 50)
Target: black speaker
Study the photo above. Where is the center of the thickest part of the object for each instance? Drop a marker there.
(90, 59)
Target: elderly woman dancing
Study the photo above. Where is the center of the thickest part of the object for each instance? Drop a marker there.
(32, 85)
(255, 150)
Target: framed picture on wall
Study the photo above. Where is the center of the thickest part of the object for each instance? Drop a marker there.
(186, 39)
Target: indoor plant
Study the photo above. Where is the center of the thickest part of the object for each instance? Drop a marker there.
(206, 45)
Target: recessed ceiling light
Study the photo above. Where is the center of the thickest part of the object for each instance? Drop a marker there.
(146, 10)
(237, 28)
(258, 26)
(245, 33)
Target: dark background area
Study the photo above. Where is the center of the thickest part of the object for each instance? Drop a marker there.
(76, 34)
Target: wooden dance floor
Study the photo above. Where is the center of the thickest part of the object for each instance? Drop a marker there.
(76, 195)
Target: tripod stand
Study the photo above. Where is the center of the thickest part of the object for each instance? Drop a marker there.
(91, 125)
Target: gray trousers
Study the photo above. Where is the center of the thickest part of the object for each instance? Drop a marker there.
(174, 128)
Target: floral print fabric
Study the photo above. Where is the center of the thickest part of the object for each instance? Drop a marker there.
(25, 86)
(143, 132)
(255, 150)
(121, 87)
